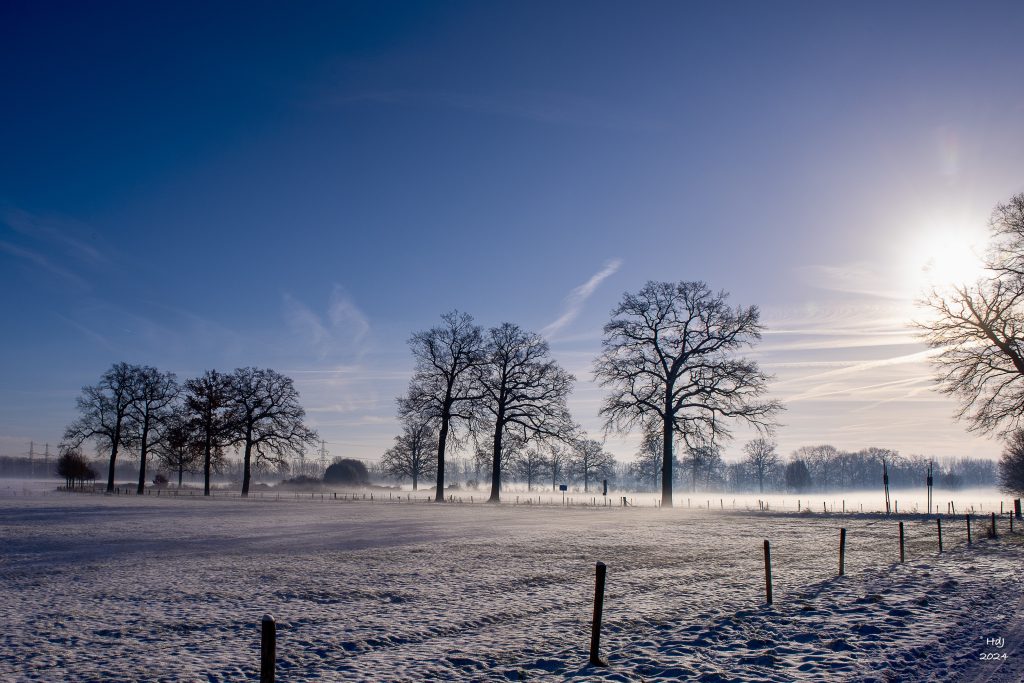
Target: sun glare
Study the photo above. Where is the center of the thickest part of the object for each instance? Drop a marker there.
(944, 256)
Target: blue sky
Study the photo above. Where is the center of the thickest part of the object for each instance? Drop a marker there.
(303, 185)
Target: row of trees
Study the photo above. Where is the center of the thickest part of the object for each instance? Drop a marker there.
(141, 408)
(670, 362)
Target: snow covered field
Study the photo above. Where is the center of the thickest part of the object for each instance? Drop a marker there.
(125, 588)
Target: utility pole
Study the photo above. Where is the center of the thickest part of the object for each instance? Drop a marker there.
(929, 482)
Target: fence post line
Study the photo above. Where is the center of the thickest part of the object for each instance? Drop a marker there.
(938, 524)
(901, 543)
(768, 571)
(595, 629)
(968, 516)
(268, 649)
(842, 551)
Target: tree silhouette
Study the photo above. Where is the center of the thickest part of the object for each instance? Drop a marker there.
(670, 360)
(761, 458)
(206, 407)
(412, 457)
(105, 409)
(72, 466)
(591, 461)
(525, 391)
(530, 464)
(1011, 464)
(443, 386)
(182, 447)
(798, 478)
(153, 395)
(978, 332)
(559, 458)
(266, 419)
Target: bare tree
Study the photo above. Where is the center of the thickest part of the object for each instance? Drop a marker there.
(72, 466)
(153, 395)
(670, 358)
(590, 460)
(978, 332)
(530, 464)
(558, 462)
(443, 386)
(411, 456)
(182, 446)
(762, 458)
(646, 468)
(206, 407)
(105, 409)
(266, 419)
(1011, 464)
(525, 392)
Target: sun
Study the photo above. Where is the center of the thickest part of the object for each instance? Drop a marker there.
(946, 256)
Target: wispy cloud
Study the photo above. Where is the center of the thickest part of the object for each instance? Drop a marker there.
(578, 296)
(64, 233)
(854, 278)
(342, 329)
(44, 264)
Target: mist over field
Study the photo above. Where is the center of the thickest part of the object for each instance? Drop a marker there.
(491, 341)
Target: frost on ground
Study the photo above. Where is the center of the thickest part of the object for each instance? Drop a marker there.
(157, 589)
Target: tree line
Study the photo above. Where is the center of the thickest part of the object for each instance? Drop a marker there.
(145, 410)
(670, 363)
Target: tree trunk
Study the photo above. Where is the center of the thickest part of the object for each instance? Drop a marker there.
(414, 481)
(247, 466)
(206, 459)
(499, 429)
(181, 472)
(442, 441)
(666, 461)
(113, 457)
(142, 458)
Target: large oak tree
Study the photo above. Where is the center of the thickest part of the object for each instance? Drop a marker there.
(266, 419)
(153, 396)
(671, 361)
(104, 414)
(525, 392)
(444, 387)
(977, 331)
(206, 408)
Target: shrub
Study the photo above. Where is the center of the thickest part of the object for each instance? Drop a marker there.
(347, 472)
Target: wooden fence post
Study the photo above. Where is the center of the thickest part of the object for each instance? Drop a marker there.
(968, 516)
(901, 543)
(842, 551)
(993, 526)
(595, 629)
(768, 571)
(938, 524)
(268, 649)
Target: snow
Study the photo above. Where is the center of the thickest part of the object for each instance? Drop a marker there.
(126, 588)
